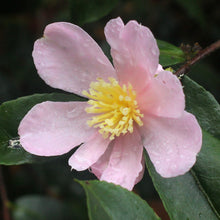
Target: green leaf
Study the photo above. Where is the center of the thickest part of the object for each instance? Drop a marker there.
(41, 207)
(85, 11)
(170, 54)
(206, 75)
(195, 195)
(207, 170)
(11, 113)
(181, 196)
(203, 105)
(108, 201)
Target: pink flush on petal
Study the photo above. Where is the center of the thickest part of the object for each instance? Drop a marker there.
(133, 104)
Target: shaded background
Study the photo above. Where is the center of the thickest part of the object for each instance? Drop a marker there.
(22, 22)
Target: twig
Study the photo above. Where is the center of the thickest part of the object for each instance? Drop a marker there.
(4, 198)
(183, 69)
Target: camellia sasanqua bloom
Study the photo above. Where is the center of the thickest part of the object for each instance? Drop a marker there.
(132, 105)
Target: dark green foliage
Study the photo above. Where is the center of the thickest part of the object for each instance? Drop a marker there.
(108, 201)
(196, 194)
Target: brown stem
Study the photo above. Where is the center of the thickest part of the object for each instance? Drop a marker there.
(4, 198)
(183, 69)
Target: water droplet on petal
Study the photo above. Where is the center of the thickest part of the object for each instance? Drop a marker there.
(118, 59)
(118, 22)
(86, 45)
(70, 114)
(154, 52)
(101, 61)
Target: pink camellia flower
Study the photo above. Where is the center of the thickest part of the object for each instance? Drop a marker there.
(132, 104)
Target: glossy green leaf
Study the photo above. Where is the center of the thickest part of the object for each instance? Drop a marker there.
(85, 11)
(207, 170)
(11, 113)
(196, 194)
(170, 54)
(191, 196)
(41, 207)
(108, 201)
(206, 75)
(203, 105)
(207, 111)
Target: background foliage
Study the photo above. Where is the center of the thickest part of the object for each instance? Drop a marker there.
(49, 186)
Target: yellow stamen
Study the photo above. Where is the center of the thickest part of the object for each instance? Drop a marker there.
(114, 107)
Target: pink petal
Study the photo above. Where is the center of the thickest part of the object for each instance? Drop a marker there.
(54, 128)
(134, 50)
(172, 144)
(125, 161)
(112, 31)
(141, 174)
(99, 167)
(163, 96)
(89, 152)
(69, 59)
(159, 68)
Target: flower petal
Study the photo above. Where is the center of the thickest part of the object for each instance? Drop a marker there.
(99, 167)
(112, 31)
(134, 50)
(54, 128)
(125, 161)
(89, 152)
(141, 174)
(69, 59)
(172, 144)
(163, 96)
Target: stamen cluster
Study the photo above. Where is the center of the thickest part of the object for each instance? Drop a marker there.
(115, 107)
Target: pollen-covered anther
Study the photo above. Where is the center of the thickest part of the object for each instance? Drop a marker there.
(114, 108)
(125, 111)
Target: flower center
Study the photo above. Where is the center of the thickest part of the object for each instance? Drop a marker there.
(115, 107)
